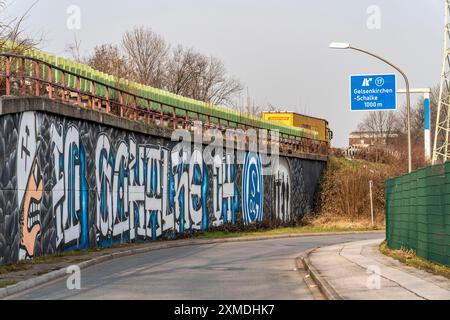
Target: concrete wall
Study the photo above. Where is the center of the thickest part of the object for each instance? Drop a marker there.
(73, 179)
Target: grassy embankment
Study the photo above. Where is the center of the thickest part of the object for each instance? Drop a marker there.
(344, 201)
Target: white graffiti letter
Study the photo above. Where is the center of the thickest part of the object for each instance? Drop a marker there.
(195, 193)
(58, 189)
(181, 181)
(120, 194)
(217, 191)
(104, 184)
(66, 192)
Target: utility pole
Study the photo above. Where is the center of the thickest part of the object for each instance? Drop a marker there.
(371, 202)
(441, 137)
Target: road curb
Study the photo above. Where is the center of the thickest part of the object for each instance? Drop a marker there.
(54, 275)
(324, 286)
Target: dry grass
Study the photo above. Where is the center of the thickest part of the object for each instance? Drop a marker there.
(344, 194)
(6, 283)
(7, 268)
(331, 221)
(309, 229)
(409, 258)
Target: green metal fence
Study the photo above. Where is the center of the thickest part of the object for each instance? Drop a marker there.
(418, 212)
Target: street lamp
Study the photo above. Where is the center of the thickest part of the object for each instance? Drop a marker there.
(341, 45)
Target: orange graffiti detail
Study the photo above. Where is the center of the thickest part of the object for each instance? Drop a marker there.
(34, 191)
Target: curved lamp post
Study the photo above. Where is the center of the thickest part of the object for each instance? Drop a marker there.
(340, 45)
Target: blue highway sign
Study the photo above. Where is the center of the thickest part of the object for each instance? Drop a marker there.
(373, 92)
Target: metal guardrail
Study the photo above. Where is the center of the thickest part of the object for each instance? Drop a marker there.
(30, 76)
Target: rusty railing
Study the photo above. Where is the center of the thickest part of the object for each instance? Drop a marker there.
(30, 76)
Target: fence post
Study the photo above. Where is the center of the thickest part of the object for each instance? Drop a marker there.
(23, 77)
(93, 94)
(50, 82)
(108, 104)
(78, 80)
(37, 76)
(8, 76)
(371, 202)
(121, 103)
(63, 86)
(174, 115)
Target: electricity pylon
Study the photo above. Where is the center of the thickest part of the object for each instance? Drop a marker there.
(441, 149)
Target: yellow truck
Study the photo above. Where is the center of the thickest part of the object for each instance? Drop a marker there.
(301, 121)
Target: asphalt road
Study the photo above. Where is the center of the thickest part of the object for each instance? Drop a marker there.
(230, 271)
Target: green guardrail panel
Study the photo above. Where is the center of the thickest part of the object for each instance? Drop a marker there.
(43, 67)
(69, 79)
(70, 66)
(141, 103)
(60, 63)
(154, 105)
(52, 61)
(109, 80)
(90, 73)
(85, 84)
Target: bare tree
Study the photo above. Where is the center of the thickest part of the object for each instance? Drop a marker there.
(197, 76)
(271, 108)
(212, 84)
(74, 49)
(147, 58)
(13, 37)
(183, 68)
(109, 59)
(147, 54)
(380, 123)
(383, 123)
(248, 105)
(12, 31)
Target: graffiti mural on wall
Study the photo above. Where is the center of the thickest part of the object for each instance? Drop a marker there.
(189, 187)
(282, 186)
(225, 191)
(29, 186)
(131, 189)
(142, 191)
(70, 191)
(81, 185)
(252, 189)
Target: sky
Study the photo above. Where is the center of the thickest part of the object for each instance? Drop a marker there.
(277, 48)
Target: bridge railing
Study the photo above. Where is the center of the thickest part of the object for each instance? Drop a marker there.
(30, 76)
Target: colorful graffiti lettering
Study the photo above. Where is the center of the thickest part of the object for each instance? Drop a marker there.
(70, 192)
(225, 191)
(29, 186)
(189, 185)
(132, 194)
(252, 189)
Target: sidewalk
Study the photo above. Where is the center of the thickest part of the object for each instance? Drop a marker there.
(343, 270)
